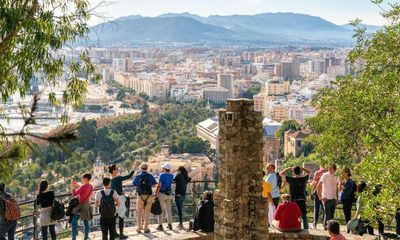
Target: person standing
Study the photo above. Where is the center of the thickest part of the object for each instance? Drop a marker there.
(82, 192)
(328, 193)
(144, 182)
(116, 185)
(7, 227)
(163, 192)
(297, 187)
(181, 180)
(317, 202)
(45, 200)
(107, 200)
(273, 179)
(347, 197)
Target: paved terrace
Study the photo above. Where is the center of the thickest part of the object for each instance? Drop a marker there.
(176, 234)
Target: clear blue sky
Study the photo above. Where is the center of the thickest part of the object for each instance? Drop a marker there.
(336, 11)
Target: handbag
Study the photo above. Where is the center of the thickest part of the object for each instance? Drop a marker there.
(156, 207)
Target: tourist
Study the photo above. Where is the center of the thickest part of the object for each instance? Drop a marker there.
(44, 200)
(204, 217)
(398, 221)
(273, 179)
(107, 200)
(266, 193)
(287, 215)
(359, 205)
(7, 227)
(334, 230)
(317, 202)
(82, 192)
(347, 197)
(181, 179)
(144, 183)
(328, 193)
(116, 185)
(164, 192)
(297, 187)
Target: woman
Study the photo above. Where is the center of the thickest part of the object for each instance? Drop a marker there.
(204, 218)
(347, 196)
(82, 192)
(359, 205)
(181, 179)
(116, 185)
(287, 215)
(44, 200)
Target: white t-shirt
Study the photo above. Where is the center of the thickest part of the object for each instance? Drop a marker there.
(107, 192)
(329, 185)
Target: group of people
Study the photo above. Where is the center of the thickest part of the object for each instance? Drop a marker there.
(327, 191)
(111, 201)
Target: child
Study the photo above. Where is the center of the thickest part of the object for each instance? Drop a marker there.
(334, 230)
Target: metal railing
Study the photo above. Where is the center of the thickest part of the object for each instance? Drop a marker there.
(28, 226)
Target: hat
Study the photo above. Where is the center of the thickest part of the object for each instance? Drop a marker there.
(166, 166)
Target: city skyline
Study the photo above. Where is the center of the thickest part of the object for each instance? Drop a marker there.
(338, 11)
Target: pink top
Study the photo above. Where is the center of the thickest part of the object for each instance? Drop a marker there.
(338, 237)
(83, 193)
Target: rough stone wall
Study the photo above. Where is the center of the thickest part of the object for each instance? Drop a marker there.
(240, 211)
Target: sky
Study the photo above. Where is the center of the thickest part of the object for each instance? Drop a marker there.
(336, 11)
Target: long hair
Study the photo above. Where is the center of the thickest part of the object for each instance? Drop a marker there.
(42, 186)
(185, 173)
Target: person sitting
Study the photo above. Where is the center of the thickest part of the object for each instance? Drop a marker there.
(334, 230)
(359, 207)
(287, 215)
(204, 219)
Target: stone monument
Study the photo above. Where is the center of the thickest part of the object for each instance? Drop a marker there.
(240, 210)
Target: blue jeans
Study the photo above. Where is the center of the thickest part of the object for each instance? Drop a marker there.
(179, 199)
(317, 206)
(8, 229)
(74, 225)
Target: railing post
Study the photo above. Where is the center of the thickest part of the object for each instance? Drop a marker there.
(194, 200)
(35, 227)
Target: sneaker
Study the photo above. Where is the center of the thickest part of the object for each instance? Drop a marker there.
(180, 226)
(160, 228)
(170, 226)
(147, 231)
(122, 236)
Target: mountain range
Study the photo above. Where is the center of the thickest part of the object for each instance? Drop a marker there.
(265, 28)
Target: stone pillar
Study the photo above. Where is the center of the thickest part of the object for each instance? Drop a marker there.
(240, 210)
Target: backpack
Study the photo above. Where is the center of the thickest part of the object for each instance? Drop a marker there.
(279, 180)
(12, 212)
(107, 205)
(58, 211)
(145, 185)
(353, 191)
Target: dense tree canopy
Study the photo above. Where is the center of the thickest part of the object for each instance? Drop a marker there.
(358, 119)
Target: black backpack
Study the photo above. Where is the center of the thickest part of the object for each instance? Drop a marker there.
(58, 211)
(145, 185)
(107, 205)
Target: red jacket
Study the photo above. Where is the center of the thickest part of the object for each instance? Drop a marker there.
(288, 214)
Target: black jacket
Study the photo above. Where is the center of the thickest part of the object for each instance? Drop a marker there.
(204, 219)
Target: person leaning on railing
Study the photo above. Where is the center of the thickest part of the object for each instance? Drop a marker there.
(181, 180)
(6, 226)
(45, 200)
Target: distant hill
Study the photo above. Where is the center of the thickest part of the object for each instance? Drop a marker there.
(273, 28)
(370, 28)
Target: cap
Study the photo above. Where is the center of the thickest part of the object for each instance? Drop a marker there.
(166, 166)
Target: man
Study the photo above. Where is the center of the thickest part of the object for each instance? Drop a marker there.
(266, 193)
(144, 183)
(317, 202)
(273, 178)
(107, 200)
(7, 227)
(297, 187)
(163, 192)
(328, 192)
(82, 192)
